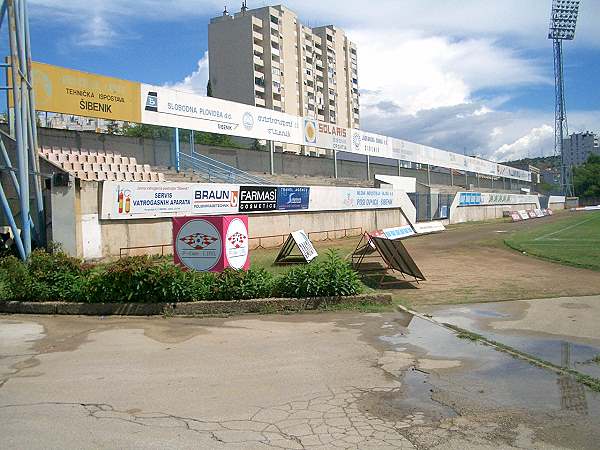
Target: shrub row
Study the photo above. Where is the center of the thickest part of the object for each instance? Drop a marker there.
(58, 277)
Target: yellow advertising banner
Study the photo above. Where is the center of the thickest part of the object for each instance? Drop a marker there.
(68, 91)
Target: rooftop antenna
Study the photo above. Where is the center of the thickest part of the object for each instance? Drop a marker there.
(225, 12)
(562, 27)
(244, 7)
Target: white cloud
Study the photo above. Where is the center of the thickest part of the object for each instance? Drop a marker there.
(423, 72)
(97, 33)
(196, 81)
(525, 20)
(528, 145)
(423, 63)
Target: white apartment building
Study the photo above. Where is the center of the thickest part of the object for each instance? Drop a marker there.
(265, 57)
(579, 146)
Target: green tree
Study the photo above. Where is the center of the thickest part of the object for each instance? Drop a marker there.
(147, 131)
(113, 127)
(586, 178)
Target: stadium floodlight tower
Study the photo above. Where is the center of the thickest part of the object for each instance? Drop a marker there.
(21, 138)
(562, 27)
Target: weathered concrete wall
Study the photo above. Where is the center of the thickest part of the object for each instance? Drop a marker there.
(77, 227)
(477, 213)
(158, 153)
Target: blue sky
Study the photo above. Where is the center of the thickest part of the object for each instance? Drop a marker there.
(471, 76)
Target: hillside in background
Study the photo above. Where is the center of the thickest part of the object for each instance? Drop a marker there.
(542, 162)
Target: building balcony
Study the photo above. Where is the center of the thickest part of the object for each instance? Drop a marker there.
(259, 101)
(258, 61)
(258, 48)
(256, 35)
(259, 88)
(276, 103)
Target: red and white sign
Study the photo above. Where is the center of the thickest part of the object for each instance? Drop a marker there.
(516, 217)
(211, 243)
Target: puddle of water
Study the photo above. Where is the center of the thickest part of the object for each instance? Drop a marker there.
(555, 350)
(486, 378)
(488, 313)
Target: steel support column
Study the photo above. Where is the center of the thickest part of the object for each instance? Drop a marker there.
(175, 157)
(335, 164)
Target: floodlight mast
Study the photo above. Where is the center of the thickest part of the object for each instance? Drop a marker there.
(562, 27)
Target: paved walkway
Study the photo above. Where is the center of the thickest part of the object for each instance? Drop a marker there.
(335, 380)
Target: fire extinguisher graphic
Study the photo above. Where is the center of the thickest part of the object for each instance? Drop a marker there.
(128, 204)
(120, 201)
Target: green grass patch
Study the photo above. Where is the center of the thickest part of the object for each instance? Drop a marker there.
(574, 240)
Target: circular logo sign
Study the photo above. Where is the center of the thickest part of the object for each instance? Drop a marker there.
(198, 245)
(310, 132)
(236, 244)
(356, 140)
(248, 121)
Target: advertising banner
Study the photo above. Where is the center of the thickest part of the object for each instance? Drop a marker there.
(258, 198)
(292, 198)
(305, 245)
(137, 200)
(171, 108)
(68, 91)
(492, 198)
(371, 144)
(429, 227)
(132, 200)
(398, 232)
(515, 216)
(326, 135)
(337, 198)
(211, 244)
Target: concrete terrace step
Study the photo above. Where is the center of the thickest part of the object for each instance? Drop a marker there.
(301, 180)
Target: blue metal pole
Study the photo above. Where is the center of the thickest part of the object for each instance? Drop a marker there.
(192, 143)
(33, 140)
(22, 157)
(177, 149)
(13, 225)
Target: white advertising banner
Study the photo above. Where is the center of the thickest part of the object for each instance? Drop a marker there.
(137, 200)
(306, 247)
(168, 107)
(326, 198)
(131, 200)
(171, 108)
(371, 144)
(326, 135)
(493, 198)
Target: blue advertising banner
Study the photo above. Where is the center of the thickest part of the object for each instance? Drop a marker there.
(291, 198)
(469, 199)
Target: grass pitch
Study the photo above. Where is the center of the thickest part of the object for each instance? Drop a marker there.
(573, 241)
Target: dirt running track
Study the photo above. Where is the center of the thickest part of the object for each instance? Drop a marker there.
(470, 263)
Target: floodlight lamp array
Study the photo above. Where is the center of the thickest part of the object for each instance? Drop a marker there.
(564, 19)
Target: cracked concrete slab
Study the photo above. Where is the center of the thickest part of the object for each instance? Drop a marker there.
(335, 380)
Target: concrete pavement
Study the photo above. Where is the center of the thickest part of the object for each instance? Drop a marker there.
(334, 380)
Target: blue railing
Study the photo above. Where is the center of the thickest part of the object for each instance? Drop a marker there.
(217, 171)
